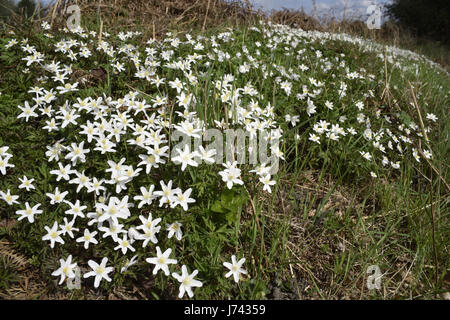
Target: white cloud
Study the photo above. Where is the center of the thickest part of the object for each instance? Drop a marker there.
(323, 6)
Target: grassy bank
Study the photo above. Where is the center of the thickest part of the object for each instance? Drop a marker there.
(358, 185)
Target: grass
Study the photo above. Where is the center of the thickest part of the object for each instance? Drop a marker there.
(325, 221)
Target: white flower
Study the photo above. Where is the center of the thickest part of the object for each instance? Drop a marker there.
(182, 199)
(267, 183)
(150, 161)
(99, 271)
(53, 235)
(9, 198)
(68, 117)
(146, 197)
(4, 164)
(66, 269)
(186, 157)
(149, 233)
(82, 180)
(292, 119)
(206, 156)
(313, 137)
(115, 209)
(27, 184)
(4, 153)
(177, 84)
(432, 117)
(148, 223)
(125, 244)
(27, 112)
(261, 170)
(56, 197)
(77, 153)
(63, 172)
(167, 193)
(95, 186)
(360, 105)
(235, 268)
(75, 209)
(188, 128)
(68, 227)
(366, 155)
(231, 176)
(113, 230)
(88, 238)
(311, 108)
(174, 228)
(129, 263)
(187, 281)
(162, 261)
(67, 87)
(395, 165)
(29, 212)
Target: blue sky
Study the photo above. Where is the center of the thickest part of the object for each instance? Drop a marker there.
(336, 8)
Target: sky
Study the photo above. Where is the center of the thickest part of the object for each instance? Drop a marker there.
(335, 8)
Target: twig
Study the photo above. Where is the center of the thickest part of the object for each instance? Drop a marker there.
(154, 33)
(301, 266)
(418, 111)
(256, 218)
(37, 8)
(101, 24)
(206, 16)
(54, 12)
(406, 274)
(433, 231)
(139, 292)
(386, 92)
(141, 92)
(184, 12)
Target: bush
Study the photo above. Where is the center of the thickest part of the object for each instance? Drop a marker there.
(424, 18)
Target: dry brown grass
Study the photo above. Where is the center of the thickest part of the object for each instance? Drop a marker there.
(309, 271)
(158, 17)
